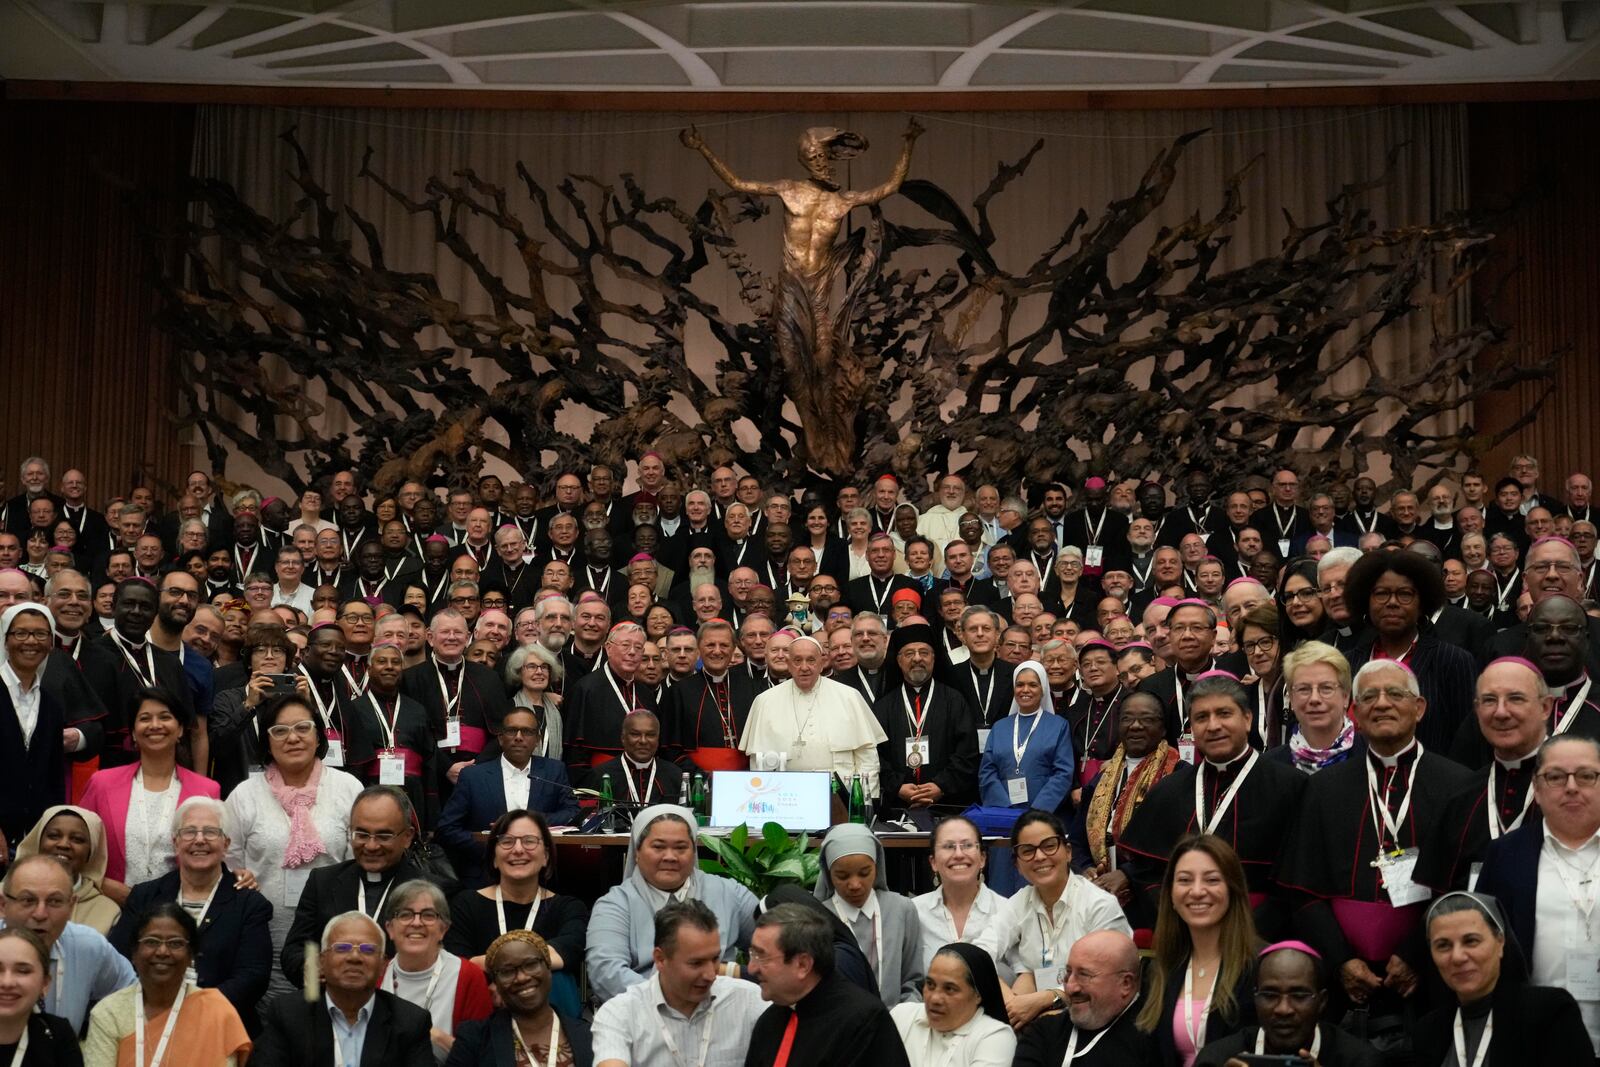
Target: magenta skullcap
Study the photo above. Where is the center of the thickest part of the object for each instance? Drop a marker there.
(1217, 674)
(1289, 946)
(642, 556)
(1095, 482)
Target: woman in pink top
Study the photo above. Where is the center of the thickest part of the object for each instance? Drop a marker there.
(1205, 945)
(136, 802)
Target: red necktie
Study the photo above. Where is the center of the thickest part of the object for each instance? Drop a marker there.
(788, 1040)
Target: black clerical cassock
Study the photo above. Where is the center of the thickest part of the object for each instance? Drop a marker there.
(1331, 858)
(468, 694)
(837, 1024)
(1121, 1044)
(592, 715)
(1094, 728)
(939, 718)
(1171, 687)
(1494, 804)
(988, 692)
(1254, 820)
(703, 718)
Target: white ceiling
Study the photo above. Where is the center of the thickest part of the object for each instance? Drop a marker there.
(816, 45)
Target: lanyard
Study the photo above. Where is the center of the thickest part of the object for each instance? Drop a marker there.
(1284, 527)
(877, 597)
(1094, 531)
(1178, 678)
(166, 1031)
(58, 978)
(1483, 1042)
(633, 791)
(127, 654)
(200, 920)
(387, 723)
(1018, 751)
(1316, 1042)
(351, 543)
(611, 679)
(390, 981)
(1139, 582)
(1582, 898)
(361, 896)
(1365, 527)
(1572, 708)
(1091, 729)
(1197, 1038)
(1496, 828)
(22, 1050)
(1210, 825)
(983, 692)
(356, 688)
(500, 909)
(1502, 591)
(1047, 942)
(451, 703)
(1380, 806)
(705, 1037)
(527, 1049)
(917, 720)
(1072, 1042)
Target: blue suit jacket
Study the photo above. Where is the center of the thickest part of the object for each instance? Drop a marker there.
(1511, 875)
(479, 799)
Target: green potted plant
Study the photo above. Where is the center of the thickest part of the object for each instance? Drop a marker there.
(762, 863)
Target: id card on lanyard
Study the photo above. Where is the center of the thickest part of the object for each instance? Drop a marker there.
(391, 764)
(335, 756)
(452, 708)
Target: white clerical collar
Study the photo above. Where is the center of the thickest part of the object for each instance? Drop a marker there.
(1394, 760)
(1560, 691)
(1448, 524)
(1516, 764)
(1220, 767)
(636, 765)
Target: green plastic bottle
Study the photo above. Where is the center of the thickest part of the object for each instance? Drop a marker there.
(858, 800)
(698, 800)
(607, 798)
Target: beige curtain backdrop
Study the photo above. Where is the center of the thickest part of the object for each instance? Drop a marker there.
(1088, 160)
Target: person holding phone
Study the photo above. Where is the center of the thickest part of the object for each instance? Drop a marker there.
(1291, 995)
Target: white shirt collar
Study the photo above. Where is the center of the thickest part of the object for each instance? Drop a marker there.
(14, 682)
(510, 770)
(848, 911)
(1589, 845)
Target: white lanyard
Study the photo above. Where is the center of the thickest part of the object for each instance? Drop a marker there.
(1496, 828)
(1139, 582)
(1572, 708)
(1483, 1042)
(166, 1031)
(361, 897)
(877, 597)
(633, 791)
(705, 1038)
(238, 561)
(866, 683)
(1316, 1042)
(377, 590)
(913, 720)
(1072, 1042)
(199, 920)
(127, 654)
(611, 679)
(316, 698)
(500, 910)
(1582, 899)
(1094, 531)
(1047, 942)
(1283, 527)
(555, 1040)
(1197, 1038)
(983, 693)
(22, 1050)
(1380, 805)
(1210, 825)
(356, 688)
(1501, 591)
(1365, 527)
(1090, 729)
(387, 725)
(1177, 688)
(390, 981)
(1018, 751)
(451, 704)
(350, 545)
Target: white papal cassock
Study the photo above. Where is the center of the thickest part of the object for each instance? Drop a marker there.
(831, 728)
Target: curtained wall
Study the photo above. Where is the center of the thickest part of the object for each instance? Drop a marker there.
(1089, 159)
(89, 379)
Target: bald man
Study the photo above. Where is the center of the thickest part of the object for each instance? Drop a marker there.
(1101, 985)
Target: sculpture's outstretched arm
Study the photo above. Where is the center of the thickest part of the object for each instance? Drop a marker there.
(691, 139)
(901, 169)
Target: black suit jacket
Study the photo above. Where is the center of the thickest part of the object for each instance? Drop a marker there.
(860, 597)
(1466, 630)
(235, 947)
(487, 1042)
(297, 1034)
(331, 891)
(1511, 875)
(997, 689)
(114, 682)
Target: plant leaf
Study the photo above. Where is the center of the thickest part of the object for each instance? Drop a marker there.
(792, 869)
(777, 839)
(740, 837)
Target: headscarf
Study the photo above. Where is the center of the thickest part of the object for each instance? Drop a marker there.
(980, 965)
(1513, 965)
(641, 824)
(305, 843)
(849, 839)
(15, 611)
(1045, 703)
(94, 871)
(537, 943)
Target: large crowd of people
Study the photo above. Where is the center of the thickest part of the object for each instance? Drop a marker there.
(1206, 773)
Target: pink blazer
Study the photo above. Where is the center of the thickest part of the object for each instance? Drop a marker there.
(109, 795)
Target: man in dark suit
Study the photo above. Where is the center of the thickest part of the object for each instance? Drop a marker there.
(382, 827)
(35, 483)
(874, 590)
(394, 1033)
(536, 783)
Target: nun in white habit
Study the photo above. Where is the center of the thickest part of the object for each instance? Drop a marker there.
(885, 924)
(661, 866)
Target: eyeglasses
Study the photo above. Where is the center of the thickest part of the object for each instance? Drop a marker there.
(1069, 973)
(1399, 596)
(1560, 566)
(29, 637)
(1585, 776)
(1308, 594)
(462, 599)
(357, 616)
(1260, 644)
(1325, 690)
(957, 846)
(171, 944)
(1190, 628)
(1556, 629)
(512, 971)
(1048, 847)
(519, 731)
(29, 902)
(303, 728)
(510, 841)
(426, 915)
(1298, 997)
(345, 948)
(1395, 694)
(383, 837)
(189, 833)
(761, 959)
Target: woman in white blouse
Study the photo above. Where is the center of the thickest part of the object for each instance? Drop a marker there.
(962, 908)
(961, 1021)
(290, 820)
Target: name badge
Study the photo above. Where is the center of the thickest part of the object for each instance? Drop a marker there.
(1394, 871)
(294, 883)
(916, 751)
(1046, 978)
(1583, 976)
(1093, 556)
(1472, 877)
(335, 756)
(983, 739)
(452, 733)
(1186, 748)
(391, 768)
(1283, 547)
(1017, 790)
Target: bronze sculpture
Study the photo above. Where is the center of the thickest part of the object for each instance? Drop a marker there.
(823, 375)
